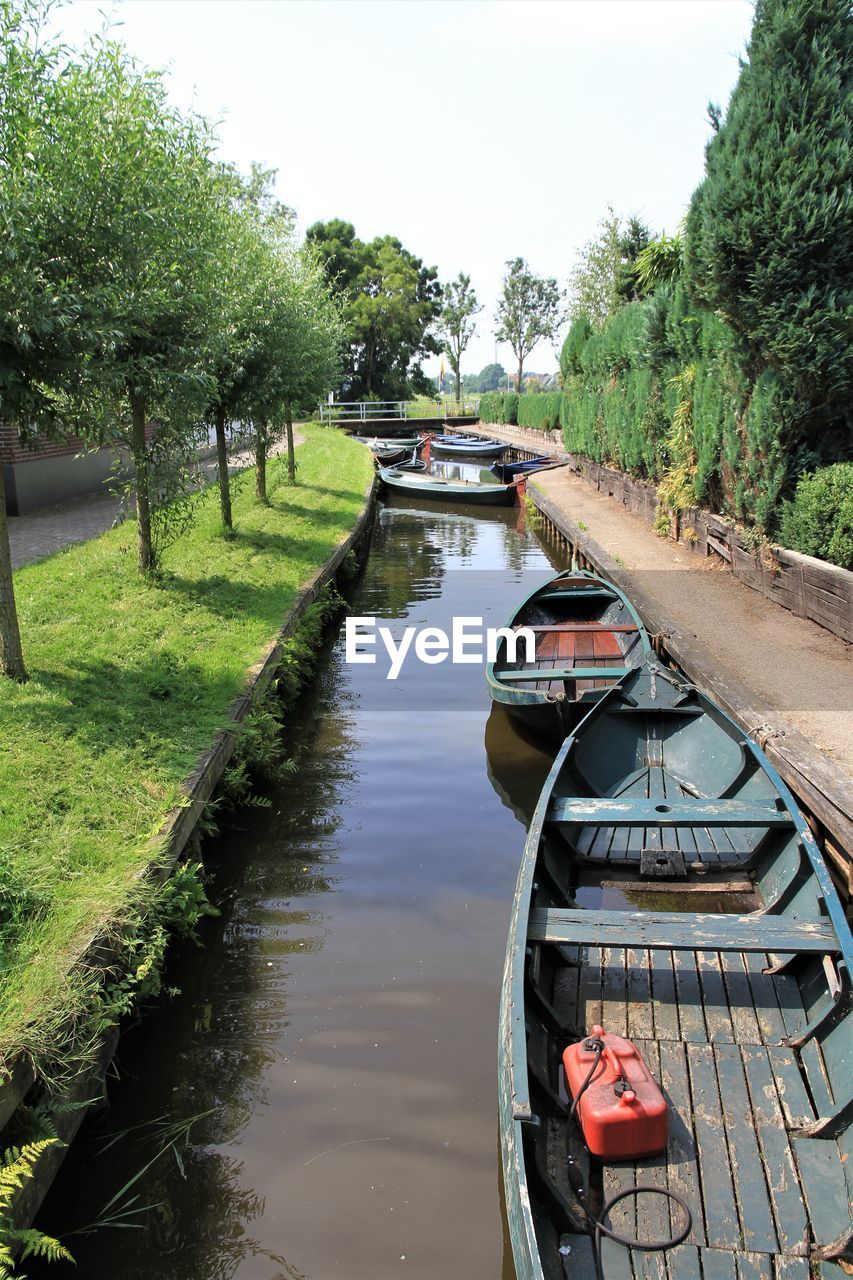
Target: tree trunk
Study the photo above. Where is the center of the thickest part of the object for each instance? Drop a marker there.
(11, 654)
(144, 545)
(260, 466)
(291, 459)
(222, 465)
(520, 370)
(458, 388)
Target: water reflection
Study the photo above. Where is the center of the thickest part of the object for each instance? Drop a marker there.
(339, 1023)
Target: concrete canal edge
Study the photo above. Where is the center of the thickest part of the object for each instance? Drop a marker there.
(821, 788)
(86, 1089)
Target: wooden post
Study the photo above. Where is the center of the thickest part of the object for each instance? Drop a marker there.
(11, 652)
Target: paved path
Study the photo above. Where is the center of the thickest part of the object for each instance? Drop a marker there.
(40, 533)
(801, 672)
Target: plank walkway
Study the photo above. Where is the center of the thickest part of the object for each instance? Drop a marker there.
(710, 1025)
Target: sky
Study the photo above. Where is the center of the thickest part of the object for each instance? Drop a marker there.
(473, 130)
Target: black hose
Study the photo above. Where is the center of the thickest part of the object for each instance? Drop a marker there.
(649, 1246)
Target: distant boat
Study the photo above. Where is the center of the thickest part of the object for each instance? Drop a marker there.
(462, 447)
(740, 1008)
(377, 443)
(588, 635)
(437, 489)
(507, 471)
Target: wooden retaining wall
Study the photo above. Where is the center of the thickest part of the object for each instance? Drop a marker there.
(810, 588)
(172, 838)
(821, 788)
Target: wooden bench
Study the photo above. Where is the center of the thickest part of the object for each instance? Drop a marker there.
(672, 931)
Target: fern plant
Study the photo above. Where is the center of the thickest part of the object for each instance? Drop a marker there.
(17, 1168)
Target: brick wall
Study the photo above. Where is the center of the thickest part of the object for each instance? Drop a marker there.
(12, 451)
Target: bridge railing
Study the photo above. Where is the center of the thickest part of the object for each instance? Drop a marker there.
(355, 411)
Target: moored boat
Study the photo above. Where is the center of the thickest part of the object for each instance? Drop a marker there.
(457, 447)
(740, 1008)
(436, 488)
(587, 636)
(509, 470)
(375, 443)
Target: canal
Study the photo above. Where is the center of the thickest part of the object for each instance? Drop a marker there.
(320, 1100)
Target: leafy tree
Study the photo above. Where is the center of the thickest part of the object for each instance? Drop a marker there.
(528, 311)
(457, 325)
(769, 242)
(241, 341)
(489, 378)
(390, 301)
(592, 287)
(48, 323)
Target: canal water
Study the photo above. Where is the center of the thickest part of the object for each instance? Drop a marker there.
(320, 1100)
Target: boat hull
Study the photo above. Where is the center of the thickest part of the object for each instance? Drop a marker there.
(434, 490)
(552, 707)
(467, 450)
(658, 768)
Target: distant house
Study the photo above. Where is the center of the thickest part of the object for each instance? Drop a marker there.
(49, 473)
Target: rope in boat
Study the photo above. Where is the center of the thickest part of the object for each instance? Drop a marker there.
(576, 1180)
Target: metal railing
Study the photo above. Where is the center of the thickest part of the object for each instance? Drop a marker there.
(395, 410)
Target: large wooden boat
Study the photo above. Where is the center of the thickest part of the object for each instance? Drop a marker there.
(588, 635)
(740, 1005)
(437, 489)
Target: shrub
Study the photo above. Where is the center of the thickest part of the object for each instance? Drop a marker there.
(490, 406)
(819, 520)
(541, 411)
(509, 407)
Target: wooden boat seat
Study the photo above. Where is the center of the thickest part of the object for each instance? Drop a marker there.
(670, 930)
(570, 673)
(668, 813)
(578, 626)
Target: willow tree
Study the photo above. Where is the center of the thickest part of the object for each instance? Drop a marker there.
(49, 315)
(251, 217)
(301, 359)
(153, 228)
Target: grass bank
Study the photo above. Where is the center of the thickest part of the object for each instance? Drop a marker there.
(130, 681)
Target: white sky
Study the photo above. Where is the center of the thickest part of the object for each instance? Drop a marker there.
(474, 130)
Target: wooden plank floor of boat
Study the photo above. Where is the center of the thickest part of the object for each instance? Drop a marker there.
(710, 1026)
(558, 650)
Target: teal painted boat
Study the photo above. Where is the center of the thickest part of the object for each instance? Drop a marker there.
(670, 891)
(588, 635)
(437, 489)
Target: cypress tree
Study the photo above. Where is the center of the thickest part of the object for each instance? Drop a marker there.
(770, 239)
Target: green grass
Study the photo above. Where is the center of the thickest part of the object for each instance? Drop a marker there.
(129, 682)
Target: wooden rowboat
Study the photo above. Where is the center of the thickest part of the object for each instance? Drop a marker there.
(376, 443)
(437, 489)
(509, 470)
(588, 635)
(740, 1008)
(453, 447)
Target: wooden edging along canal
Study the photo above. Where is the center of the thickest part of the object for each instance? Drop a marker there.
(809, 588)
(172, 839)
(821, 789)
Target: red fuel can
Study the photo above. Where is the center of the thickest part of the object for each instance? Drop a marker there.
(622, 1111)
